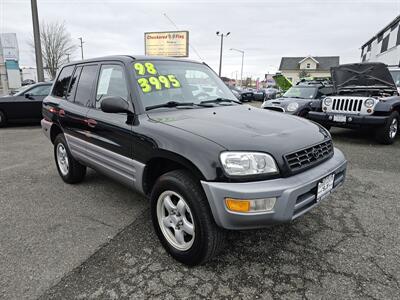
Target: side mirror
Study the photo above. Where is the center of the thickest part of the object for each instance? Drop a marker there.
(114, 104)
(28, 96)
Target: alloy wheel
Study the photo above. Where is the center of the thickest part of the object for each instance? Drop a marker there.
(62, 159)
(175, 220)
(393, 128)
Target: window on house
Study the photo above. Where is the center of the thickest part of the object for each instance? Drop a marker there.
(398, 36)
(308, 66)
(385, 44)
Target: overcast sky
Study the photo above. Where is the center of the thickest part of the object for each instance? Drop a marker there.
(266, 30)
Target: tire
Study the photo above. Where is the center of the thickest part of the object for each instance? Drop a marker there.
(207, 239)
(71, 171)
(3, 119)
(303, 113)
(387, 134)
(327, 127)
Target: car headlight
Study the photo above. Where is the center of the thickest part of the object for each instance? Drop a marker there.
(369, 103)
(328, 101)
(292, 106)
(248, 163)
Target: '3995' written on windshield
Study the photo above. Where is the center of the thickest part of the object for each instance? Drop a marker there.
(150, 80)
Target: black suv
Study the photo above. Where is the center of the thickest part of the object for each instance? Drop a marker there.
(206, 162)
(365, 96)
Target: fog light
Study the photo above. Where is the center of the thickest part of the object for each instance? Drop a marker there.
(331, 118)
(369, 110)
(247, 206)
(349, 119)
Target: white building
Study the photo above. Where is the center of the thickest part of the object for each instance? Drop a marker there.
(384, 46)
(294, 68)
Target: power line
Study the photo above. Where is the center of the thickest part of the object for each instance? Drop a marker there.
(176, 27)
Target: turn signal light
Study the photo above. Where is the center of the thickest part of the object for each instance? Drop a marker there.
(237, 205)
(247, 206)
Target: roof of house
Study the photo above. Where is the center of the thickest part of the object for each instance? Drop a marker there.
(324, 62)
(394, 23)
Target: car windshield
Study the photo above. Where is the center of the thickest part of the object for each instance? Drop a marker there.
(396, 77)
(300, 92)
(162, 81)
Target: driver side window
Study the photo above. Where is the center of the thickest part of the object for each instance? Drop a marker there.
(111, 83)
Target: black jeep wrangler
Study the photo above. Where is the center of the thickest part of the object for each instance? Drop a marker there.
(206, 162)
(365, 96)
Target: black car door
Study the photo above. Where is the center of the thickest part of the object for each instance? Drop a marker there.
(33, 99)
(110, 135)
(26, 105)
(75, 104)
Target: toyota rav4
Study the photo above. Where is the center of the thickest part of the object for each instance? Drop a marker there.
(206, 162)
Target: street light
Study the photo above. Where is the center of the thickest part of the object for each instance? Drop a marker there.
(241, 72)
(220, 54)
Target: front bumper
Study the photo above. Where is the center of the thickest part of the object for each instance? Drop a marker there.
(351, 120)
(295, 195)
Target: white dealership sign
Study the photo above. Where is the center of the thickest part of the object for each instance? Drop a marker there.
(169, 43)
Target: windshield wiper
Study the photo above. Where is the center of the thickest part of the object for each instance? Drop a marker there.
(170, 104)
(219, 100)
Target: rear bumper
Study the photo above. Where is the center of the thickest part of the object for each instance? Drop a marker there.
(351, 120)
(46, 126)
(294, 195)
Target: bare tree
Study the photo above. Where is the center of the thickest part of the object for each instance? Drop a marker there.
(57, 46)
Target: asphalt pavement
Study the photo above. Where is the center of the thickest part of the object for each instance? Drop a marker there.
(95, 240)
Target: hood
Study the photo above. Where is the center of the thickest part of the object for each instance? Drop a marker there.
(364, 76)
(7, 98)
(242, 127)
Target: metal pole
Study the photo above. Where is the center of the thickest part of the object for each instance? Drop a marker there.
(81, 47)
(241, 72)
(36, 38)
(220, 55)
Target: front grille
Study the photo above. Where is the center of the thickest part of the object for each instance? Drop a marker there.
(347, 105)
(308, 157)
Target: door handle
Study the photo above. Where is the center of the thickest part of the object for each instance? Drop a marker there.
(91, 123)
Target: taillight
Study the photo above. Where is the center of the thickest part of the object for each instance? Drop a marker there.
(53, 110)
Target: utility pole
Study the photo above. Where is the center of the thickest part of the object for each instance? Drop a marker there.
(241, 72)
(36, 38)
(82, 42)
(220, 53)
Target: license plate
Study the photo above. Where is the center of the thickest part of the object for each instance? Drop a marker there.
(339, 118)
(325, 186)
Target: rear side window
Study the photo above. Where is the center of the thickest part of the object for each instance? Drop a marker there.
(111, 83)
(85, 85)
(73, 84)
(61, 85)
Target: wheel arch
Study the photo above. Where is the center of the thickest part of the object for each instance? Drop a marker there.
(163, 162)
(54, 131)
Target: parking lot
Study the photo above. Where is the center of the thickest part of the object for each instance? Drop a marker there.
(95, 240)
